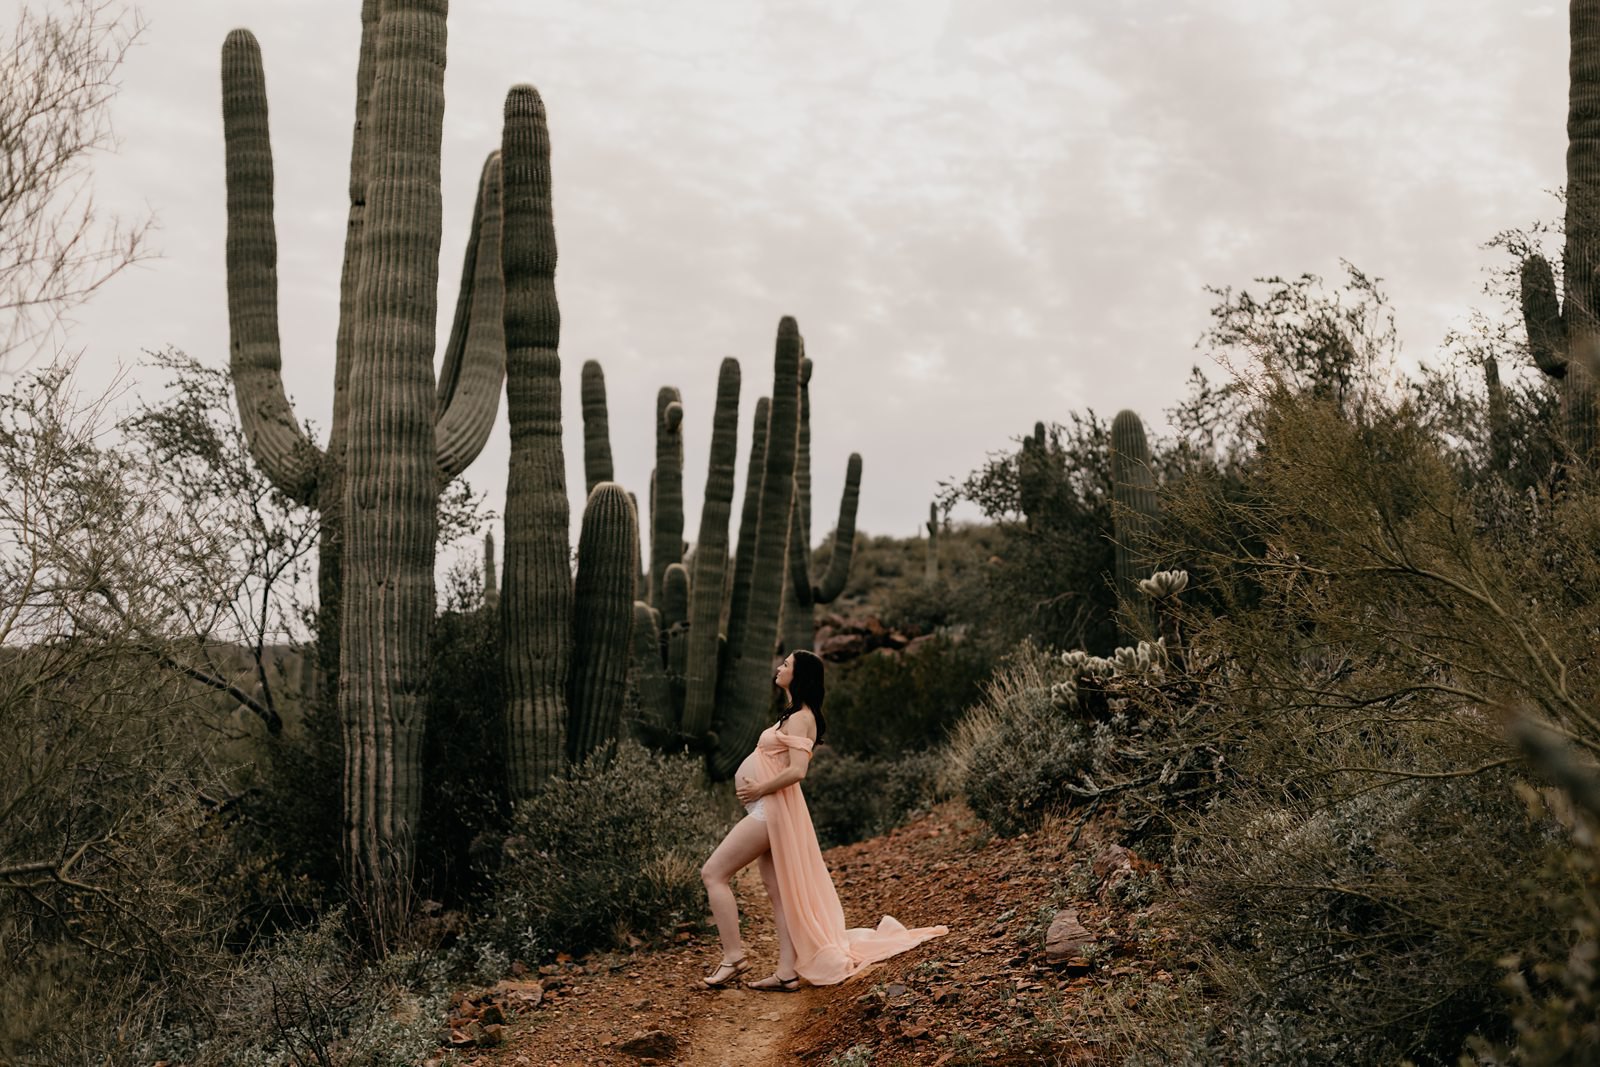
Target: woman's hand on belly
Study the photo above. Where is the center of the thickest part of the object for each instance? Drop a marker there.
(745, 790)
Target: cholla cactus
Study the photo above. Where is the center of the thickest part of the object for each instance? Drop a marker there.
(1164, 583)
(1164, 587)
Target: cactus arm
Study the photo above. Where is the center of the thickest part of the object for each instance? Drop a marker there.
(666, 494)
(743, 709)
(277, 442)
(844, 537)
(749, 519)
(475, 359)
(650, 677)
(711, 558)
(536, 584)
(596, 426)
(602, 619)
(1541, 314)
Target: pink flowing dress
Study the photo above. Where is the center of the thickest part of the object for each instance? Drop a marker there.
(825, 952)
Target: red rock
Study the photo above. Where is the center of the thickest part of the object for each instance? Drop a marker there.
(1067, 938)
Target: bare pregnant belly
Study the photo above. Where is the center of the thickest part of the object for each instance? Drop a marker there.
(748, 772)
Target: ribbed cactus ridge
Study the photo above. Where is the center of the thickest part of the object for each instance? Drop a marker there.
(391, 480)
(930, 572)
(666, 492)
(650, 677)
(1134, 515)
(491, 585)
(602, 620)
(596, 427)
(536, 598)
(1564, 332)
(710, 576)
(742, 707)
(749, 519)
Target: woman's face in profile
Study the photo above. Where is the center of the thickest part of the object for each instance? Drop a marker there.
(785, 673)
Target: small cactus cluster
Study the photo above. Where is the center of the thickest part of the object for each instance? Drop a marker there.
(1147, 662)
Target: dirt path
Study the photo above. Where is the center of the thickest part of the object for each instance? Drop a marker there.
(982, 994)
(746, 1027)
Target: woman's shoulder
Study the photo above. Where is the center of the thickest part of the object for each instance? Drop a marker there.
(800, 722)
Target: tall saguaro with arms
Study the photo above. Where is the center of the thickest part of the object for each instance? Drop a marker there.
(397, 436)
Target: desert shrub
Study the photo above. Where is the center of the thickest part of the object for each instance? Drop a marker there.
(1048, 736)
(1013, 755)
(308, 998)
(612, 849)
(852, 798)
(1369, 926)
(883, 704)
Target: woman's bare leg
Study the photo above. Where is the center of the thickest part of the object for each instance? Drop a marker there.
(745, 842)
(769, 875)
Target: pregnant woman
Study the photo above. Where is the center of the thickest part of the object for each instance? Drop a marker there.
(812, 940)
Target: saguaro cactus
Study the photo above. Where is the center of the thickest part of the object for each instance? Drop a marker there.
(744, 701)
(468, 388)
(1564, 334)
(799, 623)
(666, 491)
(596, 427)
(1135, 512)
(930, 572)
(395, 436)
(1032, 472)
(491, 586)
(536, 598)
(711, 559)
(602, 624)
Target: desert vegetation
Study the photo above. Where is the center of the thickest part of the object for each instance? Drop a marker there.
(1320, 654)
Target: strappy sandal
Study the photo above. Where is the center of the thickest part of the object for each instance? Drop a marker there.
(718, 980)
(773, 984)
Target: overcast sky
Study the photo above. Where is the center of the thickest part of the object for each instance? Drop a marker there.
(981, 213)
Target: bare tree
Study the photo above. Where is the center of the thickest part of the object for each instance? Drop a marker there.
(57, 77)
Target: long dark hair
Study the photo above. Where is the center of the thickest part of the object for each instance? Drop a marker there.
(806, 689)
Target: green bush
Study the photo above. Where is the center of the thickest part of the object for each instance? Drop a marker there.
(611, 850)
(853, 798)
(1014, 754)
(1369, 927)
(308, 998)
